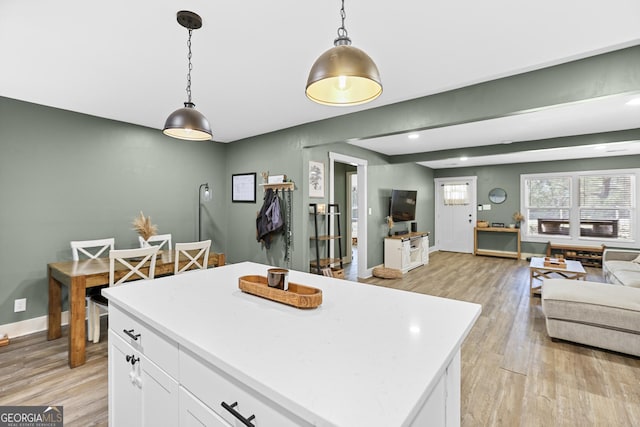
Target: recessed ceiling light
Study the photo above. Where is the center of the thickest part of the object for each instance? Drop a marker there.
(634, 102)
(413, 136)
(464, 159)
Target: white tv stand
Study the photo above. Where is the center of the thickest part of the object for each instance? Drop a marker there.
(405, 252)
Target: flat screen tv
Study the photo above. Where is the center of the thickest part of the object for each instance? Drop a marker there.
(403, 205)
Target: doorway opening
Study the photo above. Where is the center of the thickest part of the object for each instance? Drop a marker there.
(351, 220)
(357, 228)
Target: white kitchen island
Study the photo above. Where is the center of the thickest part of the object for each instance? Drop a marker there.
(181, 346)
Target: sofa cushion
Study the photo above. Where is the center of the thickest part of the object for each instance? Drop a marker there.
(615, 266)
(592, 303)
(628, 278)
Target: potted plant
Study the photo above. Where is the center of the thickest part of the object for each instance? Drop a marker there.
(518, 218)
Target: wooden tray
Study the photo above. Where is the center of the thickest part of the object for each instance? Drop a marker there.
(299, 296)
(555, 262)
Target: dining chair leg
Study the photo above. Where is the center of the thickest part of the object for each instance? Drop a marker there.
(89, 320)
(96, 323)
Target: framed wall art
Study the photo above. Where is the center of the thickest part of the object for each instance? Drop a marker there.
(316, 179)
(243, 188)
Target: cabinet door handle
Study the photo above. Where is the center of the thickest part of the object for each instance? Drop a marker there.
(238, 415)
(131, 334)
(133, 359)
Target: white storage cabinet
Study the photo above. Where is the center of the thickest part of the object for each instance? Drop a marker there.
(406, 252)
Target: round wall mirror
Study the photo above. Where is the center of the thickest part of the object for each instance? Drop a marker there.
(497, 195)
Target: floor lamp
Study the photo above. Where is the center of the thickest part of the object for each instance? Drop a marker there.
(202, 197)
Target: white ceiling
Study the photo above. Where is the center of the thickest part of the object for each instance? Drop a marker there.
(594, 116)
(126, 60)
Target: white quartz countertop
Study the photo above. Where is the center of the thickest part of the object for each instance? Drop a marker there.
(367, 356)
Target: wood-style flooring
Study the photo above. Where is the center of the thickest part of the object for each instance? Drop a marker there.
(512, 373)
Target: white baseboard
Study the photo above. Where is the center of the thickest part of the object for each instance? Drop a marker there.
(30, 326)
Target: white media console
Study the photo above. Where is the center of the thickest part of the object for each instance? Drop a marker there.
(406, 251)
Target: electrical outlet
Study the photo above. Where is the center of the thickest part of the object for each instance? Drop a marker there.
(20, 305)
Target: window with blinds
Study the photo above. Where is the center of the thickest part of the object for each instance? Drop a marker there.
(580, 205)
(606, 202)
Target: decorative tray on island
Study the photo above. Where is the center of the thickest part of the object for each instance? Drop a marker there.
(299, 296)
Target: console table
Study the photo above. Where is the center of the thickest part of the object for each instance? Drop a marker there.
(505, 254)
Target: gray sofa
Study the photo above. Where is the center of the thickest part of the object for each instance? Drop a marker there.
(597, 314)
(618, 267)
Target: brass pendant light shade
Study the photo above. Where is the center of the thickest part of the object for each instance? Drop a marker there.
(344, 75)
(188, 123)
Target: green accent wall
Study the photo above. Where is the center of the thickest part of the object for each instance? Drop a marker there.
(66, 176)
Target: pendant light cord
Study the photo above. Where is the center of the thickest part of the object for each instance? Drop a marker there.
(342, 31)
(189, 69)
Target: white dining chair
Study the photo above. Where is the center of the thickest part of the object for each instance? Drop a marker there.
(134, 260)
(91, 249)
(159, 240)
(197, 261)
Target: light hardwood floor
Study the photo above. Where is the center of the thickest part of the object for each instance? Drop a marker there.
(512, 373)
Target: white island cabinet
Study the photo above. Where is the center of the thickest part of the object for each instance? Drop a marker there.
(193, 349)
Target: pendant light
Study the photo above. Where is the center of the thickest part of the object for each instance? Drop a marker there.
(344, 75)
(188, 123)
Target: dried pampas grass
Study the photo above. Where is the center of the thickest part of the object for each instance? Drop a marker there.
(144, 227)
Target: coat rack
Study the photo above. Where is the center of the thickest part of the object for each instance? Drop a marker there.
(287, 194)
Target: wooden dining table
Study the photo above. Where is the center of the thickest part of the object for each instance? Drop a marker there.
(77, 276)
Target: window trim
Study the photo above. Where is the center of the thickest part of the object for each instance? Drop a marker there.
(574, 216)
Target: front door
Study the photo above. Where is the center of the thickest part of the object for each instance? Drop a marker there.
(455, 213)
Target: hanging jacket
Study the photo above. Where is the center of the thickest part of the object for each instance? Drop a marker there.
(270, 219)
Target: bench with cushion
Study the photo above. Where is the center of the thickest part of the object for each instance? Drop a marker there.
(592, 313)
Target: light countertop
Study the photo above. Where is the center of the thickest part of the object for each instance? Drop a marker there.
(368, 355)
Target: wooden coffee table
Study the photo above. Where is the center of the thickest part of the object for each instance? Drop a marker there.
(537, 270)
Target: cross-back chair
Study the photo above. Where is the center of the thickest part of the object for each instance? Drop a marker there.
(196, 252)
(135, 262)
(91, 249)
(161, 240)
